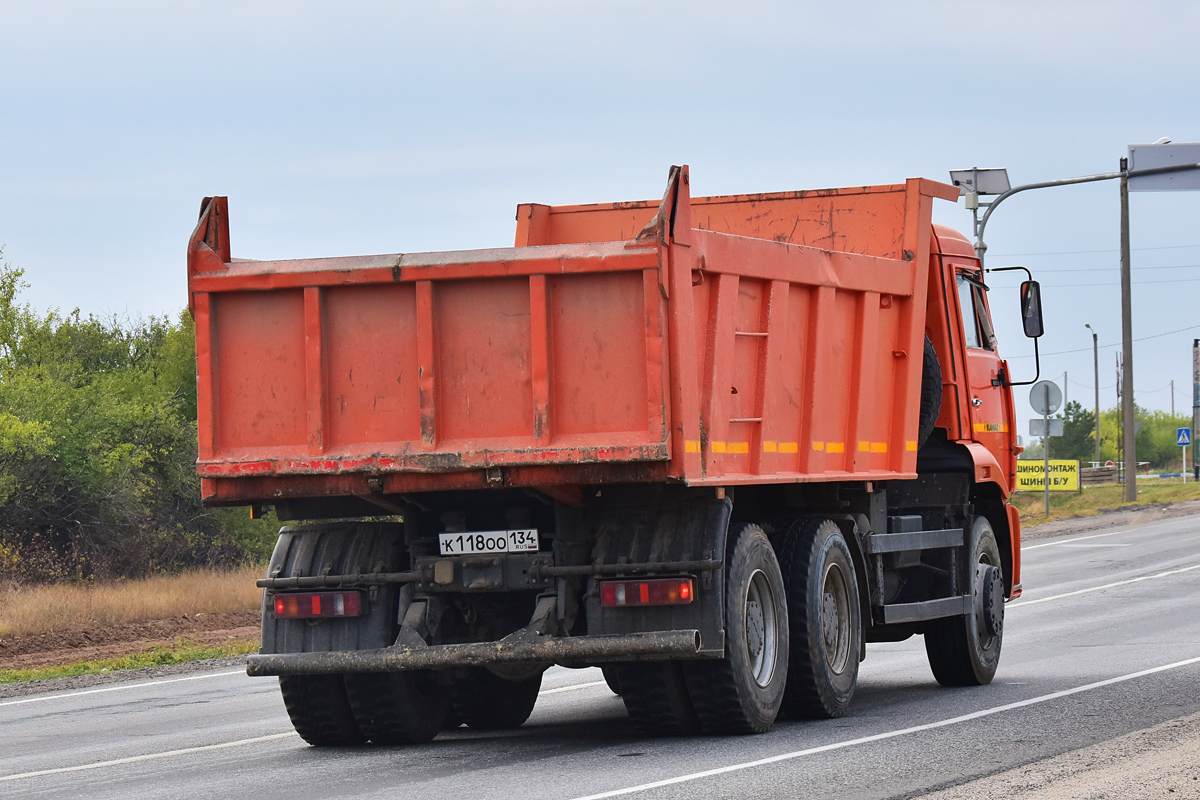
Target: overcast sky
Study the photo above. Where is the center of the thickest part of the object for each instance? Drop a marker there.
(349, 128)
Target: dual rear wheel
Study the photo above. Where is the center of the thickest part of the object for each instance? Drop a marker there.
(397, 708)
(793, 637)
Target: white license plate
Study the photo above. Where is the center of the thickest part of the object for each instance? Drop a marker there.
(516, 541)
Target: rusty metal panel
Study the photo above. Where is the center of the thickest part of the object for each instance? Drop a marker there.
(598, 339)
(259, 370)
(371, 364)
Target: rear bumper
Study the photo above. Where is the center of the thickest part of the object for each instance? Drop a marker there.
(569, 651)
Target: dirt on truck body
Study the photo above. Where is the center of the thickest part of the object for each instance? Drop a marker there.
(714, 445)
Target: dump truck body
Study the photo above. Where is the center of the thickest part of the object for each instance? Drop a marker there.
(638, 438)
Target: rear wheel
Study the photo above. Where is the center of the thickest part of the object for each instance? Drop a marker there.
(397, 707)
(487, 702)
(965, 651)
(656, 696)
(611, 678)
(320, 710)
(743, 692)
(824, 611)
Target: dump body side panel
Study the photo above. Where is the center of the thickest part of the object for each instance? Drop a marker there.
(708, 356)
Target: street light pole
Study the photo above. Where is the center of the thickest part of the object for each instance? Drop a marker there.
(1096, 383)
(1127, 344)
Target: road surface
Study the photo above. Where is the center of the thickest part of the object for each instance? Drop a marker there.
(1104, 644)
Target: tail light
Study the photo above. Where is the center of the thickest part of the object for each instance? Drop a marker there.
(307, 605)
(652, 592)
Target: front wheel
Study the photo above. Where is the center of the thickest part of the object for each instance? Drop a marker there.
(743, 692)
(965, 651)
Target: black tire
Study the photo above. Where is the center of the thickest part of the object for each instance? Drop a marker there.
(319, 710)
(656, 696)
(931, 393)
(487, 702)
(397, 707)
(612, 678)
(825, 618)
(965, 651)
(743, 692)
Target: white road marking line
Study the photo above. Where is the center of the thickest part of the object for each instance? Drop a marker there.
(987, 712)
(571, 688)
(147, 757)
(1023, 603)
(1076, 539)
(123, 687)
(1131, 529)
(187, 750)
(1099, 544)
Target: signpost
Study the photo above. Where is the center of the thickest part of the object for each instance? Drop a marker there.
(1046, 397)
(1183, 437)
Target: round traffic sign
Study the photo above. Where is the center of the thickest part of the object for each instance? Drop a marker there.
(1045, 397)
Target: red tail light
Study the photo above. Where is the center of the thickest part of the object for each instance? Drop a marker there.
(307, 605)
(652, 592)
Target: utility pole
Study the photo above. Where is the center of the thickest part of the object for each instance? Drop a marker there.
(1127, 415)
(1172, 398)
(1195, 402)
(1096, 383)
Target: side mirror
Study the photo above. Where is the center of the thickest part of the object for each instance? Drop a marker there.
(1031, 309)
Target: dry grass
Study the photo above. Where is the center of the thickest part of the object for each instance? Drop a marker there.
(1095, 498)
(43, 609)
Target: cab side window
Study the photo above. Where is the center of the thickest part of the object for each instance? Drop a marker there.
(977, 326)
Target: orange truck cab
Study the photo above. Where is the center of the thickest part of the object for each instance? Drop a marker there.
(712, 445)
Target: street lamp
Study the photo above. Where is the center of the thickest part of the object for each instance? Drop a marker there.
(973, 182)
(1096, 383)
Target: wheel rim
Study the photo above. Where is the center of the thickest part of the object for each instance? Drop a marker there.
(985, 639)
(762, 641)
(835, 618)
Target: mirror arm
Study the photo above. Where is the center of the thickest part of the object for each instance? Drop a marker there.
(1028, 274)
(1037, 369)
(1036, 358)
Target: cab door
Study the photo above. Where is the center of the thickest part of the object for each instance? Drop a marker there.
(991, 411)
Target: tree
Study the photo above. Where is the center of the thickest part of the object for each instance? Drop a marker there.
(98, 448)
(1079, 434)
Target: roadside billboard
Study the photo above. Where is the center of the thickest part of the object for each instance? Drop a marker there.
(1064, 475)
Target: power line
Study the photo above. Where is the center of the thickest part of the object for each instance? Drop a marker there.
(1117, 283)
(1105, 346)
(1114, 269)
(1080, 252)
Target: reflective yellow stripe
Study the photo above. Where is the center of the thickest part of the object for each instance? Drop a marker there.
(878, 447)
(910, 447)
(739, 447)
(717, 447)
(691, 446)
(835, 447)
(770, 447)
(789, 447)
(818, 445)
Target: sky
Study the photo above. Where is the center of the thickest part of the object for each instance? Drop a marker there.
(363, 127)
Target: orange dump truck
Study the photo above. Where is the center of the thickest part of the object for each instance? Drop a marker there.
(713, 445)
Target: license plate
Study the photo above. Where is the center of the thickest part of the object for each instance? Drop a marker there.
(516, 541)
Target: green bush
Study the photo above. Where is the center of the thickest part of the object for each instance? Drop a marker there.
(98, 449)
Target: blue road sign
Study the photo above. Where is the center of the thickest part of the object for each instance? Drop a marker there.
(1183, 436)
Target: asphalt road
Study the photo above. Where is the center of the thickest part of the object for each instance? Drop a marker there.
(1105, 642)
